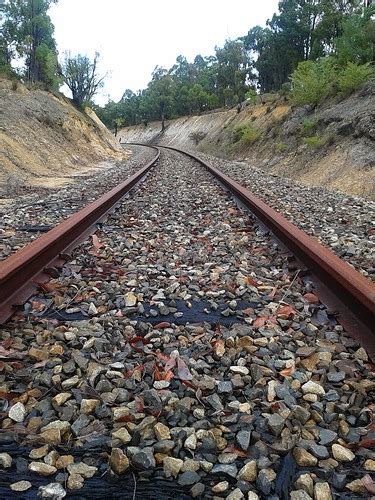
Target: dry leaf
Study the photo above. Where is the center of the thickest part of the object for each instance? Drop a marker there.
(285, 312)
(368, 483)
(183, 370)
(288, 371)
(311, 298)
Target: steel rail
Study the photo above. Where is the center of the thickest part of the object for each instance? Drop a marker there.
(343, 289)
(22, 272)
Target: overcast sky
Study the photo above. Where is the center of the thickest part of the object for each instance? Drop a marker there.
(134, 36)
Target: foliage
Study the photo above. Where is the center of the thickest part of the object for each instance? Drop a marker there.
(313, 81)
(317, 141)
(246, 133)
(353, 77)
(356, 43)
(251, 96)
(197, 137)
(27, 32)
(309, 126)
(280, 147)
(302, 51)
(81, 76)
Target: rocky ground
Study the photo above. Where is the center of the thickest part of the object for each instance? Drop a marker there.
(344, 223)
(32, 214)
(198, 364)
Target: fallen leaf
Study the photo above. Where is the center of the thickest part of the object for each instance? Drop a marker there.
(237, 451)
(272, 293)
(96, 242)
(368, 483)
(183, 370)
(8, 395)
(163, 324)
(251, 281)
(171, 363)
(311, 298)
(365, 443)
(285, 312)
(288, 371)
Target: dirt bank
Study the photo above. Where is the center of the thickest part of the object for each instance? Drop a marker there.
(331, 146)
(45, 142)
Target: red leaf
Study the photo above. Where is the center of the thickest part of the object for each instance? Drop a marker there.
(311, 298)
(134, 340)
(163, 324)
(8, 395)
(237, 451)
(125, 418)
(7, 342)
(288, 371)
(2, 366)
(365, 443)
(183, 370)
(96, 242)
(285, 312)
(251, 281)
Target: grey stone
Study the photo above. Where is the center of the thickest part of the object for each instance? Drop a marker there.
(225, 387)
(243, 439)
(188, 478)
(275, 423)
(227, 469)
(143, 459)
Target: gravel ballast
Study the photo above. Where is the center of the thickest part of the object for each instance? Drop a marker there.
(344, 223)
(31, 215)
(266, 398)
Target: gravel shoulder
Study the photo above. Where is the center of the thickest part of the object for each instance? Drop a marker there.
(344, 223)
(31, 215)
(267, 398)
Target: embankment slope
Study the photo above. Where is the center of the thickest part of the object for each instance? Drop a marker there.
(332, 145)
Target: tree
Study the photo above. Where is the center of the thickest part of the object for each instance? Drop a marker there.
(233, 72)
(28, 32)
(81, 76)
(160, 93)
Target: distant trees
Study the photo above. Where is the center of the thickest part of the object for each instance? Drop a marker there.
(81, 76)
(27, 32)
(316, 47)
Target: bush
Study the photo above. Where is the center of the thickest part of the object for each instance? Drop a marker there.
(313, 81)
(280, 147)
(251, 96)
(309, 126)
(353, 77)
(246, 133)
(317, 141)
(197, 137)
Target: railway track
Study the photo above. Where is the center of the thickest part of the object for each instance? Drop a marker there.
(192, 334)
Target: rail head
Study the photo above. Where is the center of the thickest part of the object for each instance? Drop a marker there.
(21, 273)
(340, 286)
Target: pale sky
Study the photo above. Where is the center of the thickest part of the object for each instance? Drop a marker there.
(135, 36)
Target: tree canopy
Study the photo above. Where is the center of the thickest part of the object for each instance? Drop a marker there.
(261, 61)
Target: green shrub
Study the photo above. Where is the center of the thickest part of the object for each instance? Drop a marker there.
(353, 77)
(309, 126)
(313, 81)
(251, 96)
(317, 141)
(246, 133)
(280, 147)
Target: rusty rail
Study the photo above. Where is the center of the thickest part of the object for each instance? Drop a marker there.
(22, 272)
(344, 290)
